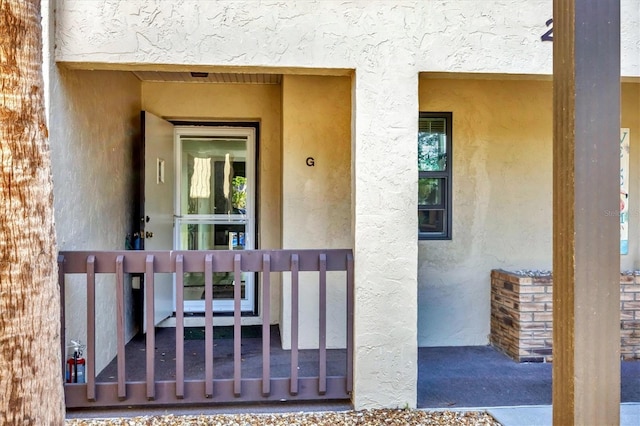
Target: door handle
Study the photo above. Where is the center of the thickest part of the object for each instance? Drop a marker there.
(148, 234)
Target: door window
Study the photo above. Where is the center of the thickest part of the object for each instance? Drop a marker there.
(215, 206)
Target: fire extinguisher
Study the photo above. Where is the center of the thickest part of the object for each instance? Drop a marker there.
(76, 364)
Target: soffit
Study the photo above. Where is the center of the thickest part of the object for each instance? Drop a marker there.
(211, 77)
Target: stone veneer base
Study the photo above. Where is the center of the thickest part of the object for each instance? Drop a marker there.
(522, 313)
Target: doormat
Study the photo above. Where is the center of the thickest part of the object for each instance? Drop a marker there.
(223, 332)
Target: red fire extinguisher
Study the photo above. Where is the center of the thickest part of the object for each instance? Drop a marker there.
(76, 364)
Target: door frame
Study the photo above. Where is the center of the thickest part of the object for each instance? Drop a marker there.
(250, 130)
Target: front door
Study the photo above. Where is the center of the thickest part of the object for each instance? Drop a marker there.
(157, 220)
(207, 177)
(215, 209)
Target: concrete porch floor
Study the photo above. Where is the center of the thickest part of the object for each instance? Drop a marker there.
(194, 366)
(454, 378)
(474, 378)
(480, 376)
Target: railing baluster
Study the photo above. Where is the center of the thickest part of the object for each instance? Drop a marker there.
(151, 333)
(350, 301)
(179, 327)
(90, 366)
(295, 264)
(208, 325)
(237, 330)
(322, 326)
(182, 390)
(63, 336)
(122, 390)
(266, 326)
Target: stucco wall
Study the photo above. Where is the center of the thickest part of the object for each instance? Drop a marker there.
(460, 36)
(385, 43)
(93, 122)
(316, 200)
(233, 102)
(502, 199)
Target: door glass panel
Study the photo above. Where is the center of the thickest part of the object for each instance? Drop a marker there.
(208, 236)
(214, 179)
(212, 236)
(214, 209)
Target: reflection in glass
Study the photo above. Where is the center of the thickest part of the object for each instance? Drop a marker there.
(432, 145)
(215, 209)
(223, 284)
(430, 191)
(200, 179)
(213, 176)
(213, 183)
(210, 236)
(206, 236)
(431, 221)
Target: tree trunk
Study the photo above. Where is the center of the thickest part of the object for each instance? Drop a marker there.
(31, 389)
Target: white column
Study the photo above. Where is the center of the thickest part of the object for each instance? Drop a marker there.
(384, 203)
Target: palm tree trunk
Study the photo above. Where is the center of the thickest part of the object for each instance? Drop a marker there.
(30, 366)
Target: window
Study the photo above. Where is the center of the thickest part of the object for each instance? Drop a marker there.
(434, 176)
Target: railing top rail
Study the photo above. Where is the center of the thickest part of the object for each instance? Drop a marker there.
(194, 260)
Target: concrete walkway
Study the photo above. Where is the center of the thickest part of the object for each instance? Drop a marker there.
(541, 415)
(526, 415)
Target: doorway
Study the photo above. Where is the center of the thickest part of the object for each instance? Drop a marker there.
(200, 192)
(215, 206)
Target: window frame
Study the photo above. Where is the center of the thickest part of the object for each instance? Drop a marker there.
(446, 175)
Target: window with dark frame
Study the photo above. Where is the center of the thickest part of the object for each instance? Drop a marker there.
(434, 176)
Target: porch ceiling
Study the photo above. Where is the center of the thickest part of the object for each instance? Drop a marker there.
(209, 77)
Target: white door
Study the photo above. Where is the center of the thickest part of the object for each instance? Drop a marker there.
(214, 207)
(158, 204)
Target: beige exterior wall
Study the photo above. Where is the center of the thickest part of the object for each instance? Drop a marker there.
(93, 123)
(316, 200)
(235, 102)
(441, 36)
(502, 199)
(384, 44)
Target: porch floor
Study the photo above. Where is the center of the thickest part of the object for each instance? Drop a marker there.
(448, 377)
(480, 376)
(194, 367)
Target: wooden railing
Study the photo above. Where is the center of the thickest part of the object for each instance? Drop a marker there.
(207, 389)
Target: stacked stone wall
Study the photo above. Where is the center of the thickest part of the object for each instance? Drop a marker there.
(522, 315)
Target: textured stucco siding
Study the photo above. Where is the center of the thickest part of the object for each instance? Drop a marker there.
(502, 138)
(316, 200)
(502, 199)
(384, 219)
(93, 123)
(458, 36)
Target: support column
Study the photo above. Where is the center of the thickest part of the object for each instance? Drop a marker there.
(586, 165)
(384, 194)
